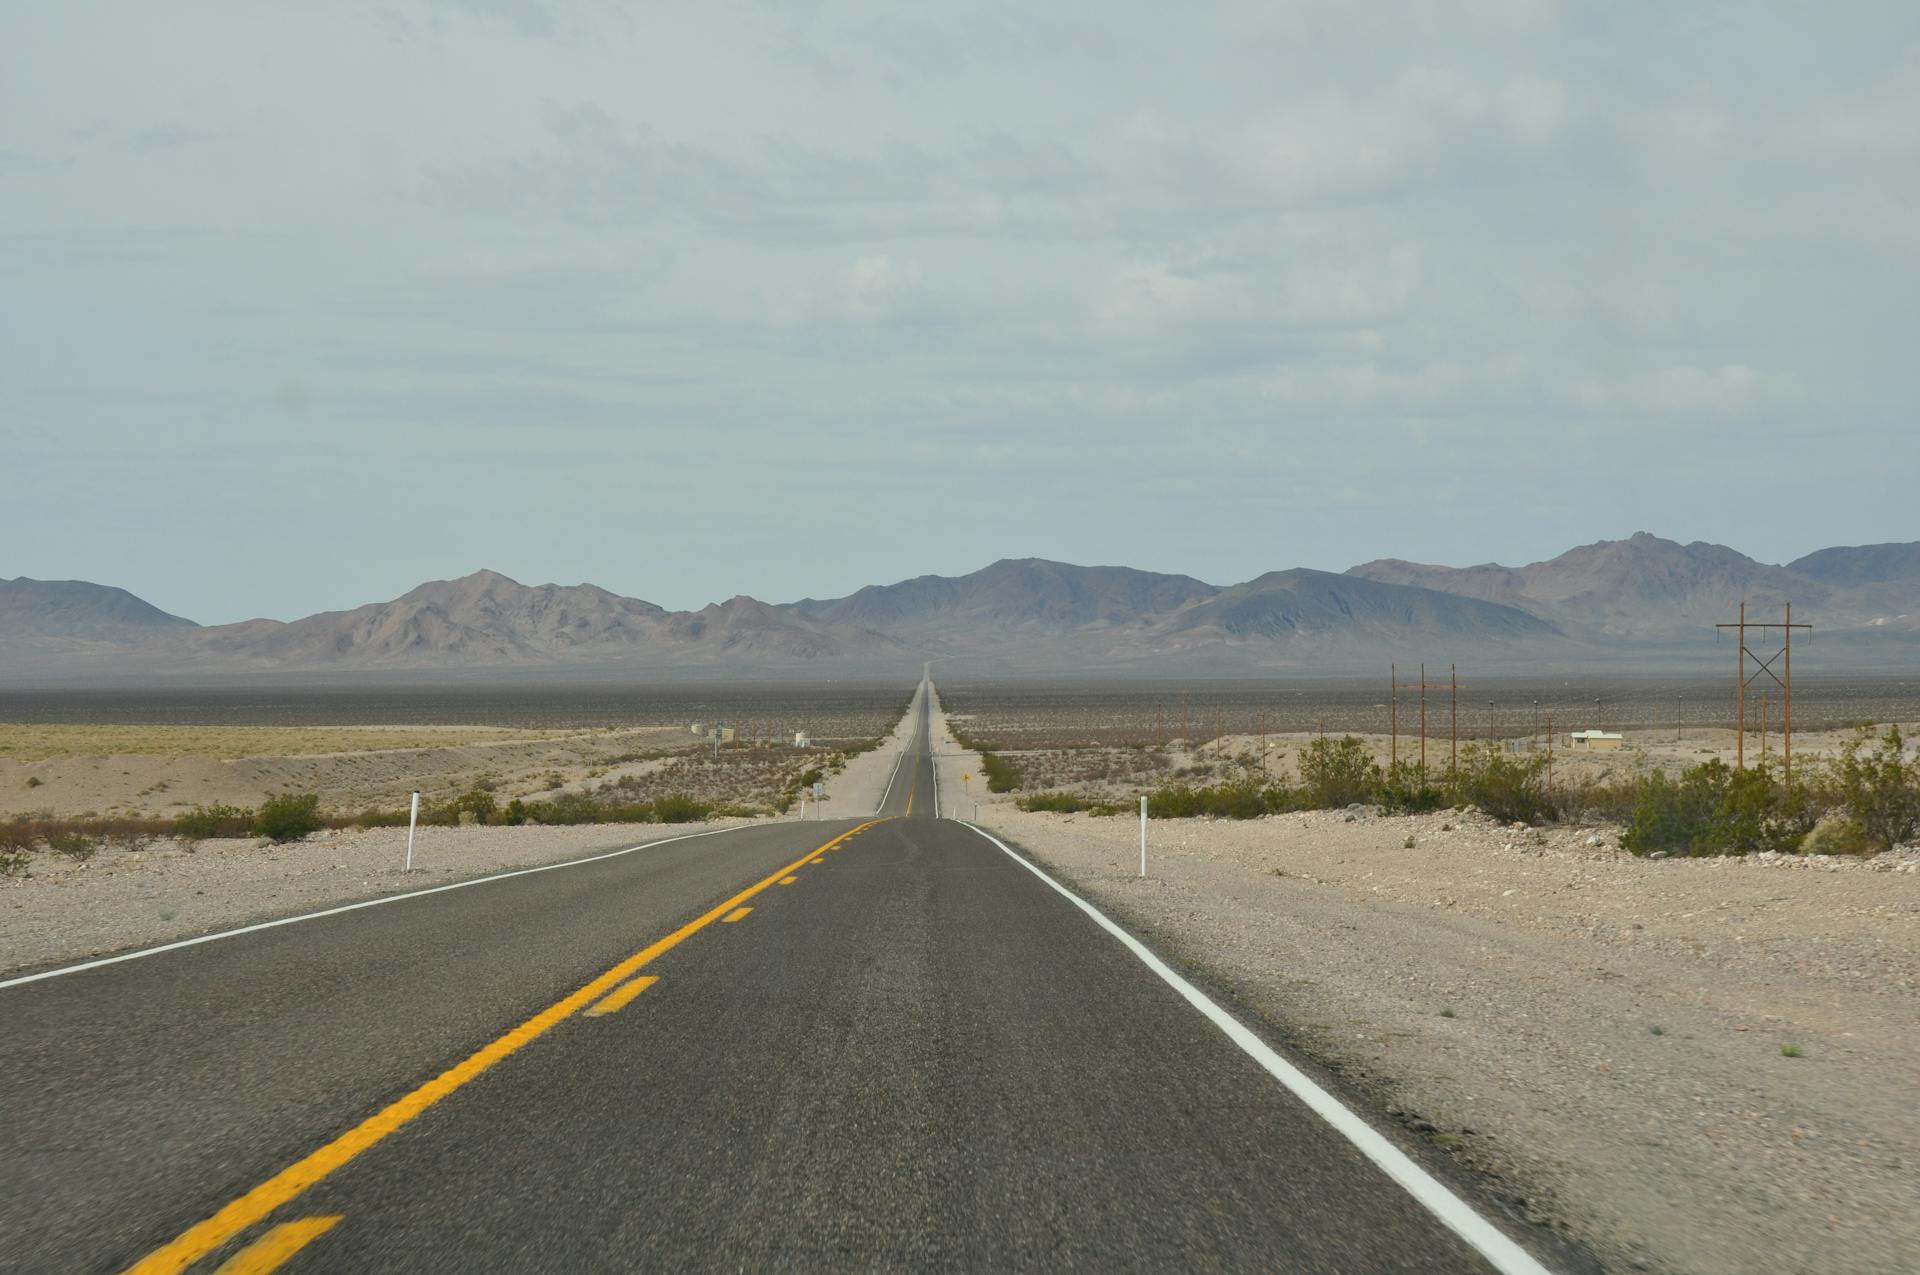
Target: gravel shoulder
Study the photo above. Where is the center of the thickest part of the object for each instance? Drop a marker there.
(123, 899)
(1498, 991)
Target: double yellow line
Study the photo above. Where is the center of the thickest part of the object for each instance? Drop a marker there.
(202, 1238)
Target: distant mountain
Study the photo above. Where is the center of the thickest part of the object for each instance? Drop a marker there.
(1864, 565)
(1638, 599)
(1642, 587)
(1015, 598)
(36, 611)
(1317, 608)
(1031, 614)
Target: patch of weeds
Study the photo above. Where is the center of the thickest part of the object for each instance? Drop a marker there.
(14, 863)
(1448, 1012)
(34, 781)
(1408, 844)
(167, 915)
(1790, 1051)
(1656, 1030)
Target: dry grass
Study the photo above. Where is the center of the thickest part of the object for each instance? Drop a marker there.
(40, 741)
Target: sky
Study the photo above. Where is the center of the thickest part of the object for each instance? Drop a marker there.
(301, 305)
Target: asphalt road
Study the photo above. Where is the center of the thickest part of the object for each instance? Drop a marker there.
(908, 1053)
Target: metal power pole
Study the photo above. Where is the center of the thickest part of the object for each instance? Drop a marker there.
(1741, 655)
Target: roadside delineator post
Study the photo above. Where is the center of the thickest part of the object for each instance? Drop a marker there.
(413, 817)
(1143, 836)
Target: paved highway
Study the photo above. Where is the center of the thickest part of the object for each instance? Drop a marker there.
(876, 1043)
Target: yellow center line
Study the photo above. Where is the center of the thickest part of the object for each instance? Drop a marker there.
(617, 1000)
(788, 880)
(203, 1237)
(270, 1251)
(735, 915)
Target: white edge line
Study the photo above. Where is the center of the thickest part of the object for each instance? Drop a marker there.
(1456, 1214)
(354, 907)
(902, 756)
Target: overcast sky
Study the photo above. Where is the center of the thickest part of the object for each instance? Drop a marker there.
(303, 304)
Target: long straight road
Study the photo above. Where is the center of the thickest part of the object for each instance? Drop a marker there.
(881, 1043)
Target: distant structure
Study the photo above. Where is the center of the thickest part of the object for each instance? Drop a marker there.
(1597, 740)
(698, 728)
(802, 740)
(720, 734)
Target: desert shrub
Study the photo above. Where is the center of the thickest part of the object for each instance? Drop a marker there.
(1837, 833)
(1757, 812)
(34, 781)
(680, 808)
(1243, 799)
(1002, 775)
(1608, 799)
(1670, 815)
(478, 804)
(1409, 788)
(1879, 790)
(1505, 786)
(17, 836)
(1713, 809)
(216, 820)
(1065, 803)
(14, 861)
(288, 817)
(1337, 772)
(77, 846)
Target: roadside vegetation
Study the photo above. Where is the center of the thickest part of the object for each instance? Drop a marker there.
(1864, 801)
(741, 781)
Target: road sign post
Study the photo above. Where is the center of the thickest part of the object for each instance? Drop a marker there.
(413, 817)
(1143, 836)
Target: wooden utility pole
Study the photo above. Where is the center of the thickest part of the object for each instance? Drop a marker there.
(1453, 727)
(1423, 686)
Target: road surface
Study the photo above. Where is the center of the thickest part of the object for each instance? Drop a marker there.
(873, 1043)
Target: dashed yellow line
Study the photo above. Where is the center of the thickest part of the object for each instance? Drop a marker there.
(738, 913)
(203, 1237)
(270, 1251)
(617, 1000)
(788, 880)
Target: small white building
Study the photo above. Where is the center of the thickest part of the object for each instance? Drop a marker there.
(698, 728)
(802, 740)
(1597, 740)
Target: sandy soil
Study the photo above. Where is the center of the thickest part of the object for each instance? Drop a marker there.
(76, 783)
(121, 899)
(1499, 990)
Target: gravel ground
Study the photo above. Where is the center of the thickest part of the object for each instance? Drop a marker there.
(123, 899)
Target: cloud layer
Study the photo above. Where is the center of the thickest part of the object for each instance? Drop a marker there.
(302, 306)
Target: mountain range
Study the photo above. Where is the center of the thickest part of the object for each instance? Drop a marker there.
(1640, 598)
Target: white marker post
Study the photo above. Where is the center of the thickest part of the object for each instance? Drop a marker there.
(413, 817)
(1143, 836)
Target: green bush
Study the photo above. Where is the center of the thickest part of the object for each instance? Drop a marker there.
(1671, 815)
(1503, 785)
(1880, 790)
(216, 820)
(680, 808)
(1065, 803)
(1002, 775)
(288, 817)
(1408, 788)
(1242, 799)
(1713, 809)
(1337, 772)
